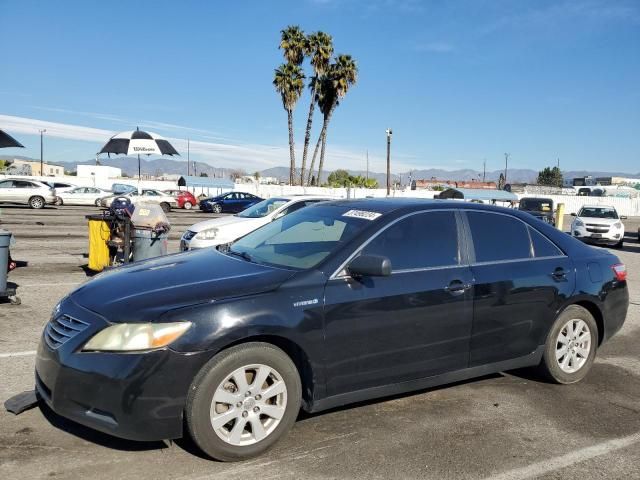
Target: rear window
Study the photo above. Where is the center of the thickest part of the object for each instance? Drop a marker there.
(498, 237)
(536, 205)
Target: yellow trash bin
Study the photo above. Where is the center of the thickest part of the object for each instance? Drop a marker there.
(99, 235)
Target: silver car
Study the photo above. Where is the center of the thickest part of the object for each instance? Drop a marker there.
(24, 191)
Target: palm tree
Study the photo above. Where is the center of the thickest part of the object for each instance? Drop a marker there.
(289, 82)
(293, 43)
(319, 47)
(340, 77)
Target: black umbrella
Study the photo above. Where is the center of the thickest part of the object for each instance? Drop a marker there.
(137, 142)
(7, 141)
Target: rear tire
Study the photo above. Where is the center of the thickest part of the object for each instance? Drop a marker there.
(226, 389)
(187, 205)
(571, 346)
(36, 202)
(166, 208)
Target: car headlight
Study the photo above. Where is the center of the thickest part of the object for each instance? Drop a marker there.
(208, 234)
(579, 223)
(617, 225)
(128, 337)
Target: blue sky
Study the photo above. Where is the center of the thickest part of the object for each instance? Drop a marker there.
(458, 81)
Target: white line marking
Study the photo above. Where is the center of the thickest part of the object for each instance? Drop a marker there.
(26, 353)
(551, 465)
(49, 284)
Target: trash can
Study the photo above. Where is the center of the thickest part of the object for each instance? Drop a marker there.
(148, 244)
(5, 239)
(6, 290)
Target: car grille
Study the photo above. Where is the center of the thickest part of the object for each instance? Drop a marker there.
(188, 235)
(597, 228)
(62, 329)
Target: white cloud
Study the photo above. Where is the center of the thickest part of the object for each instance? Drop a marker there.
(249, 156)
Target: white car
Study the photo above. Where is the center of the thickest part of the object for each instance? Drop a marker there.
(167, 202)
(81, 196)
(222, 230)
(598, 224)
(24, 191)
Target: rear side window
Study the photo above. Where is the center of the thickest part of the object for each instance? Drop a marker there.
(423, 240)
(542, 246)
(498, 237)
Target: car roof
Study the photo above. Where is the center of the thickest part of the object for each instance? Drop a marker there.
(386, 205)
(599, 206)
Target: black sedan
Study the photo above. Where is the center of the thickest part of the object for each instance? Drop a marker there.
(232, 202)
(336, 303)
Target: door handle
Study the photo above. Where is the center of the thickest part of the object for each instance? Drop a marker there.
(457, 287)
(559, 274)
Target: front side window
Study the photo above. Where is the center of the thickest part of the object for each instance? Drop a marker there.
(303, 239)
(424, 240)
(498, 237)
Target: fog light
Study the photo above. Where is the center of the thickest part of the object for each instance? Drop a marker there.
(576, 233)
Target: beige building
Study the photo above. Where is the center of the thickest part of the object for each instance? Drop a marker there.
(50, 170)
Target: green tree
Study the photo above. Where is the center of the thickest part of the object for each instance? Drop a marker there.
(293, 44)
(334, 85)
(289, 82)
(501, 182)
(551, 177)
(256, 175)
(203, 174)
(319, 47)
(339, 178)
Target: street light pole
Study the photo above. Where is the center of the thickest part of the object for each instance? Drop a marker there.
(506, 166)
(389, 133)
(41, 155)
(188, 156)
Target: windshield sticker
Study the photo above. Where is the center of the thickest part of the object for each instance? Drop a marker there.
(362, 214)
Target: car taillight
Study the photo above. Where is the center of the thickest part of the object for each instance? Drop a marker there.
(620, 271)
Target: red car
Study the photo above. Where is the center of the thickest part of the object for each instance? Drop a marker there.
(185, 199)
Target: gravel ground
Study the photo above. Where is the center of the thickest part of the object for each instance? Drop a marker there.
(505, 426)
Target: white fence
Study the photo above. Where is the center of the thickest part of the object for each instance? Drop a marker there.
(625, 206)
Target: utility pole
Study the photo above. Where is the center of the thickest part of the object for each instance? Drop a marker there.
(484, 170)
(188, 158)
(367, 164)
(41, 155)
(389, 133)
(506, 166)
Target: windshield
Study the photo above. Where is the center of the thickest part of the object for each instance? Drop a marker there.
(598, 212)
(304, 238)
(536, 205)
(263, 208)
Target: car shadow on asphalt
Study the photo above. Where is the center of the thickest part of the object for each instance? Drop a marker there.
(96, 437)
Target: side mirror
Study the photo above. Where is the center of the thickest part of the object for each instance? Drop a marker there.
(370, 266)
(623, 217)
(573, 214)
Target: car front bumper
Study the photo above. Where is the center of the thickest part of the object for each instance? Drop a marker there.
(612, 237)
(136, 396)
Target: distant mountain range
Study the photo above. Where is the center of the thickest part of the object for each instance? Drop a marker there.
(129, 166)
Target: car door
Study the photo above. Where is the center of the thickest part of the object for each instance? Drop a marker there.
(412, 324)
(7, 191)
(24, 190)
(521, 278)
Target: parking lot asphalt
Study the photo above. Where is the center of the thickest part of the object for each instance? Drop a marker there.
(506, 426)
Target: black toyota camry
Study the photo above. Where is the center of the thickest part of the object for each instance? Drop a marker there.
(336, 303)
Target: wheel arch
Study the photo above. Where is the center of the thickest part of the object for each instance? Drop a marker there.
(297, 355)
(594, 310)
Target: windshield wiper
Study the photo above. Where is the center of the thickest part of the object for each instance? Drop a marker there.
(244, 255)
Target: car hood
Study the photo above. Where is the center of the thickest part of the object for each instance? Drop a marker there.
(142, 292)
(224, 221)
(599, 221)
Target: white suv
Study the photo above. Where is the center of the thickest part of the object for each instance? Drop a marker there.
(599, 224)
(24, 191)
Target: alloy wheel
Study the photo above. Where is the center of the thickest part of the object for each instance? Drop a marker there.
(573, 345)
(248, 405)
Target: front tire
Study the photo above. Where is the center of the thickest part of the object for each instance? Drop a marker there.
(571, 346)
(36, 202)
(243, 401)
(217, 208)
